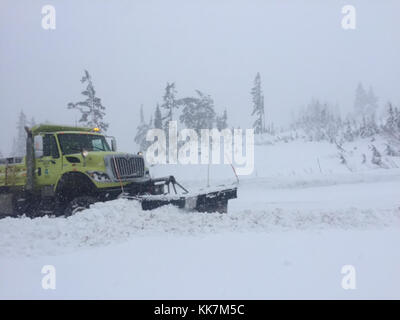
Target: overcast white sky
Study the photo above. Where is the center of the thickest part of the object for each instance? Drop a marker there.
(132, 48)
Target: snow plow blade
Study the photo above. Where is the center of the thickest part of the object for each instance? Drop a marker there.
(207, 201)
(215, 201)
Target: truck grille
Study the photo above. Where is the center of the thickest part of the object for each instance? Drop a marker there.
(127, 167)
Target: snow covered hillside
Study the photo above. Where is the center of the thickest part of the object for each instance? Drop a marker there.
(296, 160)
(298, 220)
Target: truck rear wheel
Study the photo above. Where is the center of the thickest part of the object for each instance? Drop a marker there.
(79, 204)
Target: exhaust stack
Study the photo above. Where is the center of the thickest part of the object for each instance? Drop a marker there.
(30, 161)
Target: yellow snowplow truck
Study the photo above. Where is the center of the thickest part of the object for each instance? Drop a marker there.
(66, 169)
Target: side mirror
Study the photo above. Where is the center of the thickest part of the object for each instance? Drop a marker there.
(113, 144)
(38, 146)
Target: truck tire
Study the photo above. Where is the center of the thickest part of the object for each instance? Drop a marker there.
(79, 204)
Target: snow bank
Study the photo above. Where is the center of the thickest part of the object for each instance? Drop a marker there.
(120, 220)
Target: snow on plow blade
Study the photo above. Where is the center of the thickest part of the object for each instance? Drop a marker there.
(207, 201)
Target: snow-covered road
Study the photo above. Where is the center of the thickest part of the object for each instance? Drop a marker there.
(280, 240)
(232, 265)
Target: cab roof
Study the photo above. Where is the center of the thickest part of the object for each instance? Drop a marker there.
(59, 128)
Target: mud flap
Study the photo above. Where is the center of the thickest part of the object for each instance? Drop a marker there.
(6, 204)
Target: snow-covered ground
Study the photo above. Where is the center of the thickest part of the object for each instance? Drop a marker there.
(288, 235)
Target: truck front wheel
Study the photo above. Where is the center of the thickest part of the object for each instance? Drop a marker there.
(79, 204)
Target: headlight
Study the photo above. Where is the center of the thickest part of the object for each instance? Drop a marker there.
(99, 176)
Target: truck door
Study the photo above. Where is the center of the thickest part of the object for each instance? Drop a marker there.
(48, 167)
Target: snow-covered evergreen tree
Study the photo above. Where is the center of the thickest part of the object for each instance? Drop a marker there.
(319, 121)
(143, 127)
(222, 121)
(390, 125)
(376, 156)
(92, 110)
(368, 127)
(169, 104)
(397, 119)
(198, 112)
(348, 131)
(342, 159)
(390, 151)
(365, 103)
(158, 118)
(258, 106)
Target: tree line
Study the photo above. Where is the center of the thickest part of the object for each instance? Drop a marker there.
(317, 121)
(322, 121)
(195, 112)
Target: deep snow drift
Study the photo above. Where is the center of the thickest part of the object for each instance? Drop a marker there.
(287, 236)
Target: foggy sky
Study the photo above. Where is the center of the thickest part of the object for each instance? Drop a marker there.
(132, 48)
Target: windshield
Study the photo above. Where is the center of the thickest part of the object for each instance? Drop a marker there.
(74, 143)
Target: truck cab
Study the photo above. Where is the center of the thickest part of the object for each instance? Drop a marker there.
(67, 166)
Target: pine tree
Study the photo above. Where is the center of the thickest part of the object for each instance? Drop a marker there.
(319, 121)
(169, 103)
(222, 121)
(348, 134)
(258, 106)
(342, 159)
(365, 104)
(390, 123)
(376, 156)
(363, 128)
(198, 112)
(92, 111)
(143, 127)
(389, 151)
(368, 127)
(158, 118)
(397, 119)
